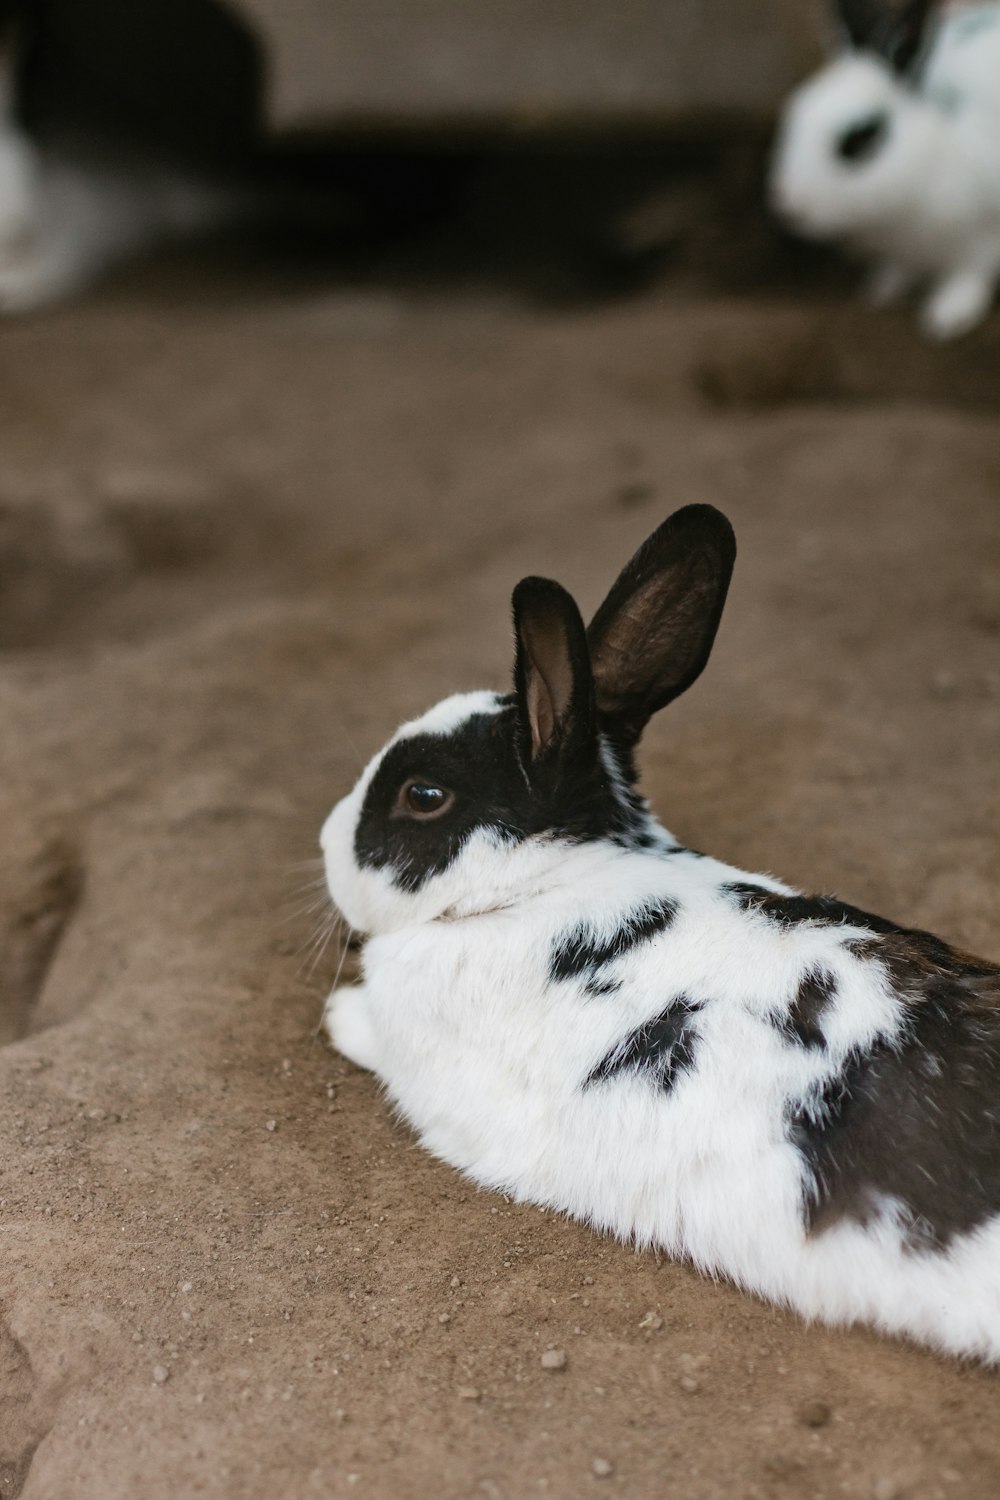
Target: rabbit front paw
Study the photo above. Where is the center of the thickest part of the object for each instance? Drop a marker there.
(349, 1027)
(957, 304)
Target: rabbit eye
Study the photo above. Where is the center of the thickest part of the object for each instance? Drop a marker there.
(423, 799)
(862, 141)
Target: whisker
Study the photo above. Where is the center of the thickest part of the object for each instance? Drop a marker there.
(318, 938)
(307, 910)
(346, 949)
(322, 949)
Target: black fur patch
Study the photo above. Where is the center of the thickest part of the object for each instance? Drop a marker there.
(577, 955)
(803, 1021)
(662, 1049)
(916, 1121)
(829, 911)
(479, 762)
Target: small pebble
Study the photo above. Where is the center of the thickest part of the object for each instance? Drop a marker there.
(602, 1468)
(814, 1414)
(454, 1282)
(652, 1320)
(444, 1317)
(271, 1125)
(886, 1489)
(943, 685)
(690, 1383)
(554, 1359)
(468, 1393)
(160, 1374)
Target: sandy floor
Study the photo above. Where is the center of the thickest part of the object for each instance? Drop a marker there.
(240, 538)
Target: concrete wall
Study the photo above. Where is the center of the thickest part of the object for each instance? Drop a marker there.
(528, 63)
(207, 73)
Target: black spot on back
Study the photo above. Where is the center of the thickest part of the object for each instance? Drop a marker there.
(916, 1120)
(790, 911)
(662, 1048)
(579, 955)
(803, 1021)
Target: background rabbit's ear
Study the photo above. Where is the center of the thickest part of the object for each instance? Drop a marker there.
(904, 34)
(895, 31)
(552, 677)
(861, 20)
(652, 636)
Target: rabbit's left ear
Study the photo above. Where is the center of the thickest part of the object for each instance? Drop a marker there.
(860, 20)
(895, 31)
(553, 682)
(905, 31)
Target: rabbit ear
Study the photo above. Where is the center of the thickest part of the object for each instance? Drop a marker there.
(861, 20)
(896, 32)
(904, 35)
(553, 682)
(652, 636)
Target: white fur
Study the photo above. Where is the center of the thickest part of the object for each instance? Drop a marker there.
(485, 1055)
(69, 215)
(926, 208)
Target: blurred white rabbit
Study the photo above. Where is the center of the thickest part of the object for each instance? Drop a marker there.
(894, 149)
(73, 211)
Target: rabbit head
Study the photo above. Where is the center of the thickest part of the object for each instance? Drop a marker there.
(490, 795)
(855, 140)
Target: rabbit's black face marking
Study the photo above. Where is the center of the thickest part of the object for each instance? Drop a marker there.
(477, 767)
(474, 765)
(579, 954)
(662, 1049)
(860, 142)
(803, 1021)
(915, 1123)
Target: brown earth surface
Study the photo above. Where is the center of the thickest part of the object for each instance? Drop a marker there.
(243, 532)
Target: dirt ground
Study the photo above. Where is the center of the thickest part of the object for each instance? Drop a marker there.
(245, 529)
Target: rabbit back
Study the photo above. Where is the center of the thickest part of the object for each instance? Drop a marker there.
(783, 1089)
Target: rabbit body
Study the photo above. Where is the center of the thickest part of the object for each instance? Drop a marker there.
(781, 1089)
(905, 169)
(69, 216)
(70, 212)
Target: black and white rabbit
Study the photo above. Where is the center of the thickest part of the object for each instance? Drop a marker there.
(894, 149)
(73, 210)
(569, 1006)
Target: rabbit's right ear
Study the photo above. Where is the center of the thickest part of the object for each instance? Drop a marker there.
(652, 636)
(896, 32)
